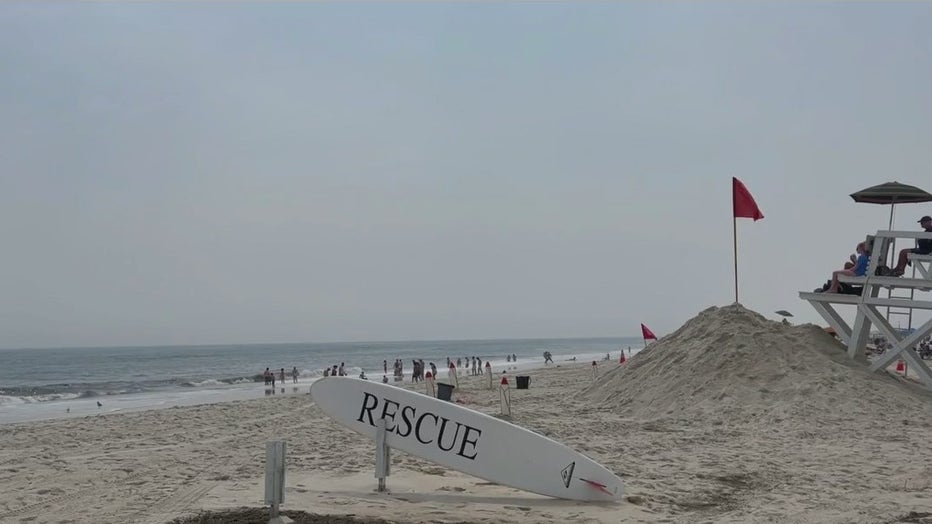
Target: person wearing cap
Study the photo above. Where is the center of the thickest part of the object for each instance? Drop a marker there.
(923, 247)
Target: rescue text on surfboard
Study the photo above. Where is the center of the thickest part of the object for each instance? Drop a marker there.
(426, 427)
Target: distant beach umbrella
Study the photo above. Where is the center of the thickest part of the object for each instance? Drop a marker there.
(891, 194)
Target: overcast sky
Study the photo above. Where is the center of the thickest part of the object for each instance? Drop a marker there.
(238, 173)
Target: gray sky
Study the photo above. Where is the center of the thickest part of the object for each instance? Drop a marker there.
(226, 173)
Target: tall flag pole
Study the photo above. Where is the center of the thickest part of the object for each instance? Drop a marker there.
(647, 334)
(743, 206)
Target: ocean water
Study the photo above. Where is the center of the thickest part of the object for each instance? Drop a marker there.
(38, 384)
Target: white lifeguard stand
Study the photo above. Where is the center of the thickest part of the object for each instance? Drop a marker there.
(868, 302)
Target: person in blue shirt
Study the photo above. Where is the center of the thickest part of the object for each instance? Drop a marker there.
(859, 269)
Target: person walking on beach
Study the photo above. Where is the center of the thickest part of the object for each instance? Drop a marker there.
(385, 367)
(294, 374)
(266, 376)
(282, 376)
(272, 375)
(342, 370)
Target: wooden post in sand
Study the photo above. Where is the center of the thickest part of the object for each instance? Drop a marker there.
(274, 476)
(504, 394)
(382, 455)
(595, 370)
(431, 386)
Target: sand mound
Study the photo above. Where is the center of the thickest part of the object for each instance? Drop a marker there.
(731, 363)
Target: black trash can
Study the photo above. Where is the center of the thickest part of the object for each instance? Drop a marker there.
(444, 391)
(523, 381)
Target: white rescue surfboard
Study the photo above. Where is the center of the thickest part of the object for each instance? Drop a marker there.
(466, 440)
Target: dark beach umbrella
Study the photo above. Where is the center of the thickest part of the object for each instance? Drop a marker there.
(892, 193)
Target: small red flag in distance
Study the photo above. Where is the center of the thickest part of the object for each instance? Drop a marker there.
(743, 203)
(647, 334)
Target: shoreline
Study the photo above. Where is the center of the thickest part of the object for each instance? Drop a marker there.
(138, 402)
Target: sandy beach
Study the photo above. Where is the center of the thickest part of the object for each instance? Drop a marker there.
(733, 418)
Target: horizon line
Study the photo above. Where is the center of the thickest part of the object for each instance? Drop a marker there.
(237, 344)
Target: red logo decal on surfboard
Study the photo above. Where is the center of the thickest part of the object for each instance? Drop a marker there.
(599, 486)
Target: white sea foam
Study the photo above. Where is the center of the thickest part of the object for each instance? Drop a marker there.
(7, 401)
(208, 382)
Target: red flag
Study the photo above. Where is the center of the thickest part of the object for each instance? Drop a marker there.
(742, 201)
(646, 333)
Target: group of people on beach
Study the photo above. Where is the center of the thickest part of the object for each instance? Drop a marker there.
(879, 345)
(269, 376)
(398, 370)
(857, 265)
(340, 371)
(925, 349)
(474, 364)
(476, 368)
(417, 370)
(335, 371)
(419, 367)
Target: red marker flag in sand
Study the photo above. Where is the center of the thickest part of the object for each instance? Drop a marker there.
(743, 206)
(743, 203)
(647, 334)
